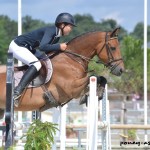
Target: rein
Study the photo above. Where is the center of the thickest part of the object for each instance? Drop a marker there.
(78, 55)
(84, 58)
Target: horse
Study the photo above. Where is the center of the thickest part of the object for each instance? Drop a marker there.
(70, 69)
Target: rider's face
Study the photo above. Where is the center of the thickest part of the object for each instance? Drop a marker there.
(67, 29)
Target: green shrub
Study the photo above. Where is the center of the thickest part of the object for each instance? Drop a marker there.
(40, 136)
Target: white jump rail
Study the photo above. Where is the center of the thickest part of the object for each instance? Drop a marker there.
(105, 123)
(92, 122)
(92, 116)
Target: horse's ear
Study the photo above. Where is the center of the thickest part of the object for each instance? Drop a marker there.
(115, 32)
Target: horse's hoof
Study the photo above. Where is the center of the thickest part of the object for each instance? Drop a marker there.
(100, 93)
(16, 102)
(83, 100)
(1, 113)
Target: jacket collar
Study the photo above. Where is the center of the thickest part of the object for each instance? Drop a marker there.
(58, 32)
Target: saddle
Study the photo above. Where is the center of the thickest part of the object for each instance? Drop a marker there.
(42, 77)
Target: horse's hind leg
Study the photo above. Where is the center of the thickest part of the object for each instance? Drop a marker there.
(1, 113)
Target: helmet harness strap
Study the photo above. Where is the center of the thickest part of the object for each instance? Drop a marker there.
(62, 29)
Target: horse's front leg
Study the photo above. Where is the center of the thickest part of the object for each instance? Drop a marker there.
(101, 82)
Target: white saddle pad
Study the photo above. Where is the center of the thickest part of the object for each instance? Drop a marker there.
(36, 82)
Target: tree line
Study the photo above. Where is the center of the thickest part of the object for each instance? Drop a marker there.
(131, 46)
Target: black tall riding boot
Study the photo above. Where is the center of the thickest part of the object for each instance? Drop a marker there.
(28, 76)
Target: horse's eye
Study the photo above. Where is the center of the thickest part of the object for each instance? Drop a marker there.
(113, 48)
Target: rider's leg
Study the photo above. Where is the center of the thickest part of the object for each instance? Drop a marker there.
(28, 76)
(25, 56)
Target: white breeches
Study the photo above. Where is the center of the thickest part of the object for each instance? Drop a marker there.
(24, 55)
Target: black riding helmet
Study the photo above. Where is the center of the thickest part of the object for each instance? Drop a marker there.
(65, 18)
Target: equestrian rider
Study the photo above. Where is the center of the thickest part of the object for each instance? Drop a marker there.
(46, 38)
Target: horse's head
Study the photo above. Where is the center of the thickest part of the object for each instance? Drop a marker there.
(104, 44)
(109, 53)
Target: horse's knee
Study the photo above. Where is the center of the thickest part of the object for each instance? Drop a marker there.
(101, 80)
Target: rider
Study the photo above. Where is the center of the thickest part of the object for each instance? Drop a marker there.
(46, 38)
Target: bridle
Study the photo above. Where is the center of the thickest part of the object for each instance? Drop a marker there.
(109, 50)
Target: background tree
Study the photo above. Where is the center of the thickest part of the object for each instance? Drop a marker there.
(132, 79)
(148, 33)
(86, 23)
(8, 30)
(138, 31)
(29, 24)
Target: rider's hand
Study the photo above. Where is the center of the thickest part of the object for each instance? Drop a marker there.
(63, 46)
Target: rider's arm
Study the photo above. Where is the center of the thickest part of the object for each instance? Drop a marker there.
(48, 37)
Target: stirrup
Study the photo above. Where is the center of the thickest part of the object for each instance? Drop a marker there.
(83, 99)
(17, 100)
(17, 96)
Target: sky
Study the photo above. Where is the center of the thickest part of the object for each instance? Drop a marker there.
(127, 13)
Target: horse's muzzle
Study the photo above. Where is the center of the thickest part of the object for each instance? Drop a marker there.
(116, 70)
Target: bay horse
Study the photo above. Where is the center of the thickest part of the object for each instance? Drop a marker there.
(69, 77)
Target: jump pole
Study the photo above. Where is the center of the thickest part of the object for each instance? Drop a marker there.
(59, 117)
(9, 113)
(92, 115)
(105, 123)
(63, 113)
(92, 118)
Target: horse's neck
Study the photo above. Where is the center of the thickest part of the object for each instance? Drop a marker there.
(85, 45)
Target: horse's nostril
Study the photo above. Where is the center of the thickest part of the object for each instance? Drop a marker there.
(121, 70)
